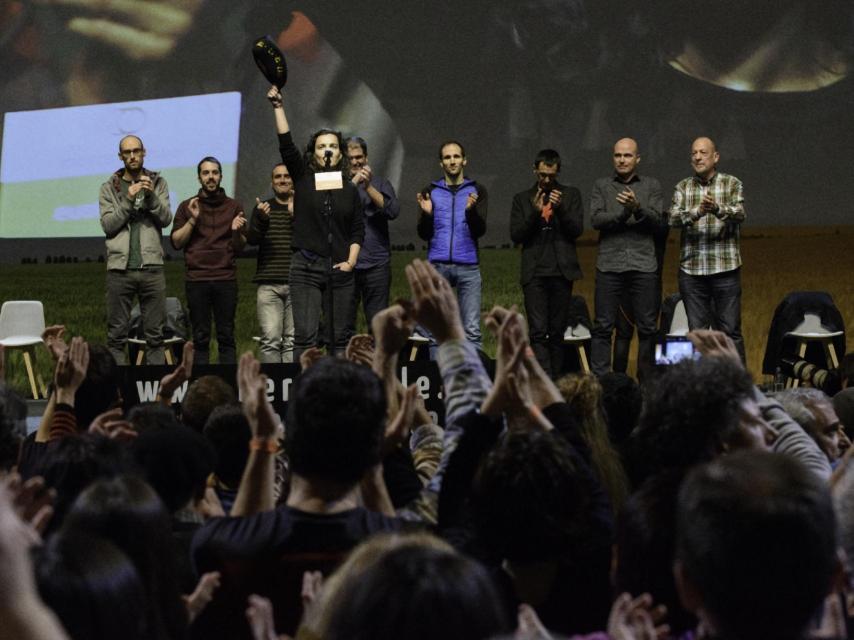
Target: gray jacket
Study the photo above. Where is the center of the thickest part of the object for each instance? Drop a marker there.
(116, 211)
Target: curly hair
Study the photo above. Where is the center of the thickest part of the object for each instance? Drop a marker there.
(311, 160)
(584, 394)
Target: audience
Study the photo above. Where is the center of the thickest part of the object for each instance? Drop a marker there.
(536, 511)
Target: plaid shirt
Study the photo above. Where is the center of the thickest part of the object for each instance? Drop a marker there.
(709, 243)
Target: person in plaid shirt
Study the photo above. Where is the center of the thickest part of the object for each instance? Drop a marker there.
(709, 207)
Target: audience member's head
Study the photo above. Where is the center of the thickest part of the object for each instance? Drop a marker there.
(529, 498)
(128, 513)
(203, 396)
(336, 418)
(756, 545)
(418, 591)
(74, 462)
(176, 463)
(813, 410)
(622, 401)
(583, 394)
(150, 416)
(843, 405)
(228, 431)
(13, 426)
(696, 410)
(93, 588)
(100, 389)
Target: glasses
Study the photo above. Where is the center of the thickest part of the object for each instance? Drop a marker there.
(128, 153)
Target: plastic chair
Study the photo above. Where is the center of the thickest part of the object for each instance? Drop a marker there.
(21, 327)
(811, 330)
(679, 322)
(577, 337)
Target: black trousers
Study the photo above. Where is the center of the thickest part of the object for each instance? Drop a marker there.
(547, 307)
(218, 300)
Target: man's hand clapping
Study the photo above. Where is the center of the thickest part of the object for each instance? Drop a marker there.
(434, 303)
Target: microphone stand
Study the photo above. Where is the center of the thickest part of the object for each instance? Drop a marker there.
(327, 212)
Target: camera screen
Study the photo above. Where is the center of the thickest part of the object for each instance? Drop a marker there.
(673, 351)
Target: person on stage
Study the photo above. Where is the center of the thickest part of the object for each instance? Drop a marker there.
(211, 229)
(626, 209)
(380, 204)
(709, 207)
(453, 217)
(271, 228)
(319, 239)
(545, 220)
(134, 209)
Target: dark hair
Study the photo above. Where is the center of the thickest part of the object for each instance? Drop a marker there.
(279, 164)
(549, 157)
(228, 431)
(310, 159)
(151, 416)
(336, 418)
(757, 539)
(13, 427)
(176, 463)
(353, 141)
(528, 497)
(128, 513)
(690, 412)
(100, 388)
(203, 396)
(419, 593)
(74, 462)
(452, 141)
(622, 402)
(207, 159)
(92, 587)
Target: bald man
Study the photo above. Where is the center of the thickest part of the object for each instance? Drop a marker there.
(626, 209)
(709, 208)
(134, 208)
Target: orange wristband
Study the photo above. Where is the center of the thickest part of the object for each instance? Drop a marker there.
(270, 445)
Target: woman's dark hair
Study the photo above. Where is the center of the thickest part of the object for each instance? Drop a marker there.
(128, 513)
(228, 430)
(311, 161)
(418, 593)
(92, 587)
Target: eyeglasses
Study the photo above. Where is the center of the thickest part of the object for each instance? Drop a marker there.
(127, 153)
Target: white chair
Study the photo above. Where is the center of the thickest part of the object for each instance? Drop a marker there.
(577, 337)
(167, 348)
(21, 327)
(416, 341)
(811, 330)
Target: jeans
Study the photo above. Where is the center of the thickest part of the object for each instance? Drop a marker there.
(220, 300)
(309, 296)
(611, 288)
(466, 279)
(149, 285)
(547, 307)
(372, 288)
(714, 301)
(276, 321)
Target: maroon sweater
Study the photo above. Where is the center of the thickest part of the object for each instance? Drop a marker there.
(209, 254)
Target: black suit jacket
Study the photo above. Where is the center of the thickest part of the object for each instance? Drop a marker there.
(525, 230)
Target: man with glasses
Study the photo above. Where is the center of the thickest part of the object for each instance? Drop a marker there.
(545, 220)
(134, 208)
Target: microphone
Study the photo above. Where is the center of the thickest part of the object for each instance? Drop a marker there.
(327, 159)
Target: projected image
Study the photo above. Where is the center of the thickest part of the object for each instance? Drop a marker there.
(55, 160)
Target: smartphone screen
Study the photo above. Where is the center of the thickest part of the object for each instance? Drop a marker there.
(673, 350)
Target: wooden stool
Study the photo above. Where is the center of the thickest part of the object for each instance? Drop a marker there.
(577, 336)
(167, 349)
(811, 330)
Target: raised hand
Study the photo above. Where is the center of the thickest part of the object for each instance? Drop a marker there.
(434, 303)
(202, 595)
(171, 381)
(238, 222)
(253, 395)
(360, 349)
(71, 370)
(193, 207)
(262, 207)
(636, 619)
(392, 327)
(471, 201)
(309, 357)
(714, 344)
(111, 424)
(275, 97)
(425, 203)
(32, 501)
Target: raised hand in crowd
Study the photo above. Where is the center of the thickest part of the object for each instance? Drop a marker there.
(309, 357)
(253, 396)
(52, 338)
(31, 500)
(259, 613)
(434, 303)
(715, 344)
(111, 424)
(171, 381)
(23, 616)
(71, 370)
(530, 627)
(636, 619)
(360, 349)
(392, 327)
(202, 594)
(262, 207)
(425, 203)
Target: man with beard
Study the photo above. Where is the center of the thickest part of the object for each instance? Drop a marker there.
(380, 204)
(134, 208)
(271, 229)
(209, 227)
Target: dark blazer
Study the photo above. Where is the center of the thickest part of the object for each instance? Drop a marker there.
(525, 230)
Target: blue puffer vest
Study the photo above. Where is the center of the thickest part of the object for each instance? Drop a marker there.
(452, 241)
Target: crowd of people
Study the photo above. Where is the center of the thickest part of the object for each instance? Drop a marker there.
(692, 507)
